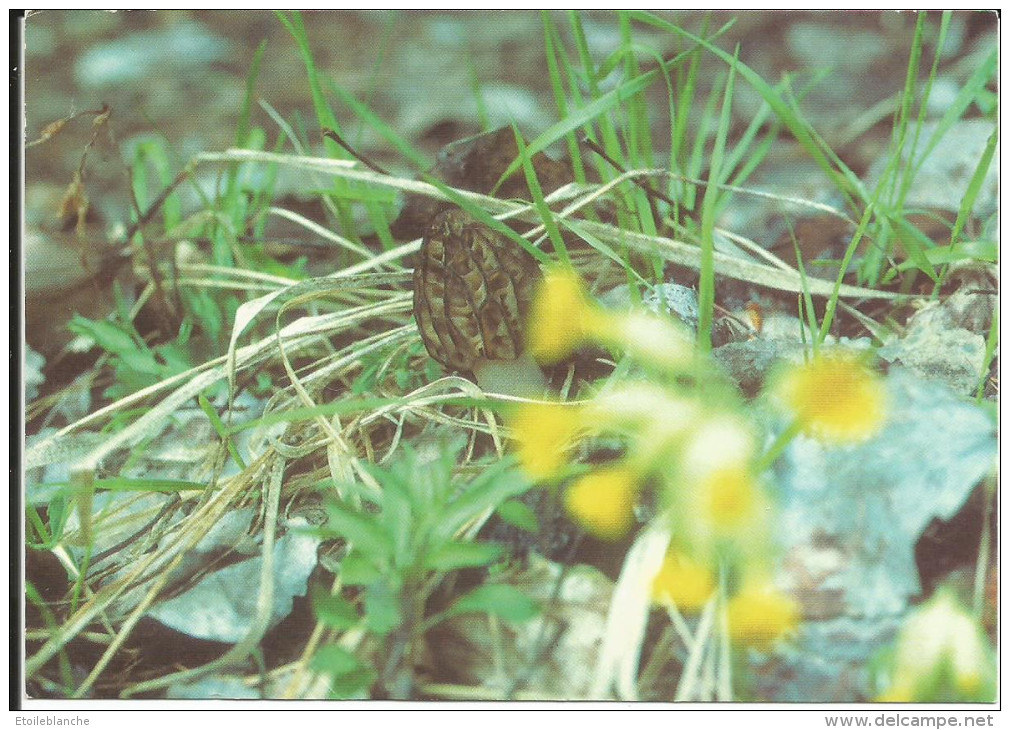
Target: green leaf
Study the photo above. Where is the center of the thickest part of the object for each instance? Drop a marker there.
(105, 334)
(499, 600)
(334, 611)
(353, 685)
(382, 607)
(486, 492)
(335, 661)
(977, 179)
(456, 554)
(359, 529)
(141, 362)
(357, 569)
(398, 516)
(520, 515)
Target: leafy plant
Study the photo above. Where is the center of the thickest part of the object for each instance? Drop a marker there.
(135, 363)
(404, 535)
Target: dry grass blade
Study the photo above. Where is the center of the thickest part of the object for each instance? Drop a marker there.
(677, 252)
(685, 254)
(264, 597)
(617, 667)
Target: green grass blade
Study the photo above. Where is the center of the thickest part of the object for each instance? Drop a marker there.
(542, 209)
(857, 237)
(899, 130)
(222, 430)
(232, 187)
(706, 281)
(608, 134)
(636, 127)
(363, 112)
(324, 115)
(552, 49)
(966, 96)
(130, 484)
(296, 27)
(799, 128)
(33, 596)
(402, 146)
(974, 186)
(924, 100)
(806, 299)
(991, 342)
(684, 103)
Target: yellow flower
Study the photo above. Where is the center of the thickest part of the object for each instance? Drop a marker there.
(715, 493)
(759, 615)
(561, 317)
(718, 443)
(834, 397)
(543, 433)
(603, 502)
(685, 582)
(730, 498)
(941, 656)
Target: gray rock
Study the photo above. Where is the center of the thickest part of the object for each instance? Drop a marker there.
(222, 606)
(33, 364)
(680, 301)
(748, 363)
(827, 45)
(179, 48)
(943, 177)
(944, 340)
(850, 519)
(954, 357)
(868, 504)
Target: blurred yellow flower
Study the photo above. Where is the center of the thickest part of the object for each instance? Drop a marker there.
(719, 442)
(834, 397)
(603, 502)
(686, 582)
(713, 491)
(543, 433)
(561, 316)
(759, 614)
(942, 656)
(730, 498)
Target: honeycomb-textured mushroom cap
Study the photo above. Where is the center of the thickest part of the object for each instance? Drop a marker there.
(472, 292)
